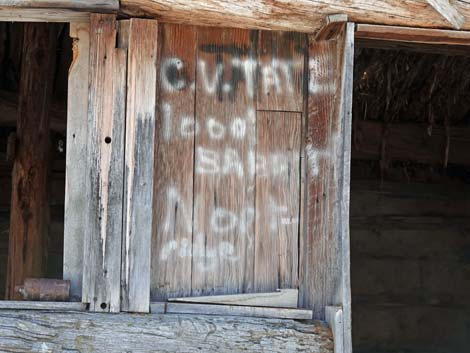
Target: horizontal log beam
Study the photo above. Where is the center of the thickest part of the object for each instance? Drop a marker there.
(301, 15)
(27, 331)
(411, 142)
(82, 5)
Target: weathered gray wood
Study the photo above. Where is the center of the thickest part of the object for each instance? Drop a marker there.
(76, 160)
(139, 165)
(332, 25)
(104, 190)
(88, 5)
(326, 259)
(283, 298)
(234, 310)
(449, 12)
(49, 306)
(24, 331)
(334, 318)
(42, 15)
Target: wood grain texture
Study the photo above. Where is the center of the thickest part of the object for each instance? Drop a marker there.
(139, 164)
(76, 159)
(46, 306)
(235, 310)
(277, 201)
(88, 5)
(334, 318)
(29, 217)
(106, 116)
(325, 246)
(281, 62)
(283, 298)
(9, 14)
(223, 245)
(301, 15)
(36, 332)
(449, 12)
(174, 164)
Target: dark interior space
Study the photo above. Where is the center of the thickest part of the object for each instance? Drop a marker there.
(11, 56)
(410, 202)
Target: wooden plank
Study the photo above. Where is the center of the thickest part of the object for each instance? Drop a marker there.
(26, 331)
(174, 164)
(277, 200)
(302, 15)
(88, 5)
(412, 35)
(139, 164)
(411, 142)
(334, 318)
(449, 12)
(282, 298)
(281, 74)
(224, 181)
(104, 190)
(48, 306)
(332, 26)
(76, 159)
(325, 245)
(233, 310)
(29, 218)
(42, 15)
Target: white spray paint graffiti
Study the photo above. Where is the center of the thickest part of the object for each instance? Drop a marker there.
(276, 77)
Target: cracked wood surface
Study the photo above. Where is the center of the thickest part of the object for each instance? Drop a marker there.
(25, 331)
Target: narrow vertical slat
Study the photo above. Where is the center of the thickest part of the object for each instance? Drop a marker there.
(174, 164)
(277, 200)
(104, 190)
(76, 159)
(139, 164)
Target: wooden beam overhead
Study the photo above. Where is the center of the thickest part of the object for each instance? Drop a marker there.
(82, 5)
(300, 15)
(449, 12)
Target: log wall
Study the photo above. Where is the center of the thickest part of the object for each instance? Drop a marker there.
(410, 266)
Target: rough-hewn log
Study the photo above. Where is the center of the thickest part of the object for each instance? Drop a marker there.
(411, 142)
(86, 5)
(449, 12)
(29, 199)
(300, 15)
(25, 331)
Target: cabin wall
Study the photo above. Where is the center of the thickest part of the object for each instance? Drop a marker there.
(227, 161)
(410, 270)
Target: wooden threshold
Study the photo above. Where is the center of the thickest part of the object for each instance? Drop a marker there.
(49, 306)
(230, 310)
(418, 39)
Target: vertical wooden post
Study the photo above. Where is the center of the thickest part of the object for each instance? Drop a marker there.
(105, 167)
(139, 164)
(77, 127)
(325, 257)
(29, 204)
